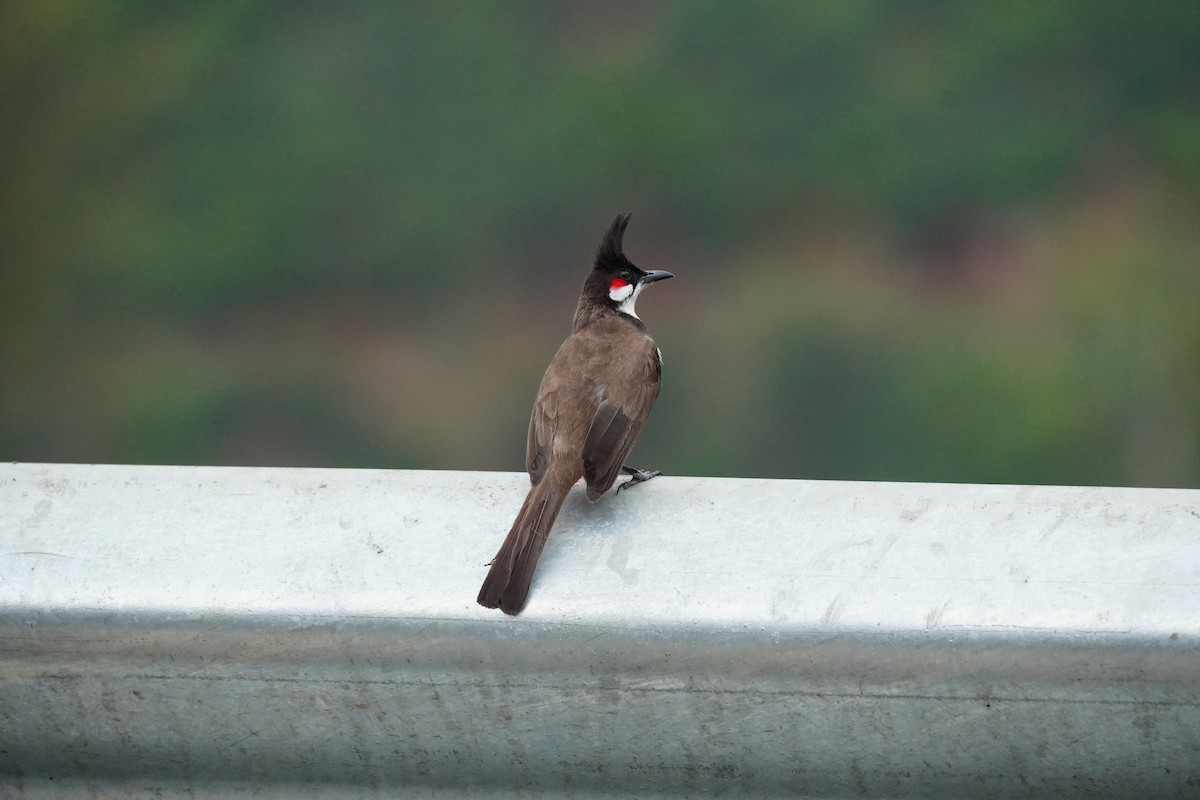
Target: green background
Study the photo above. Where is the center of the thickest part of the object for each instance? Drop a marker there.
(913, 241)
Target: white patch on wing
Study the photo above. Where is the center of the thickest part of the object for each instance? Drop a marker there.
(626, 296)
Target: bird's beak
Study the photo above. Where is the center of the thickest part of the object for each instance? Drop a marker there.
(656, 275)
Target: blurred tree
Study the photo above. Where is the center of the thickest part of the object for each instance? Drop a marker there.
(219, 224)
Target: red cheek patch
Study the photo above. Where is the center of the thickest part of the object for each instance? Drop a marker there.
(617, 283)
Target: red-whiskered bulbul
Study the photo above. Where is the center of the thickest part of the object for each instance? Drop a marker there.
(590, 409)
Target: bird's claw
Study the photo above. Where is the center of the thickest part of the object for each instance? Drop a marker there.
(636, 476)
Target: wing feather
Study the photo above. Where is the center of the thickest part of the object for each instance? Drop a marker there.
(537, 453)
(617, 424)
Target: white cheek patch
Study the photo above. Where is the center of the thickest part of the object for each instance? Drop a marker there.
(626, 296)
(621, 293)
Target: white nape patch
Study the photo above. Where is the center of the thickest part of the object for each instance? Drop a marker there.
(626, 296)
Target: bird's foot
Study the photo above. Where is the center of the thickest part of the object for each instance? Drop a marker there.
(636, 476)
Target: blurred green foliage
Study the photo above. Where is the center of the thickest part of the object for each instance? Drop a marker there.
(914, 241)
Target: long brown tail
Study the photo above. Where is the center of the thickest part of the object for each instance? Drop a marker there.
(507, 583)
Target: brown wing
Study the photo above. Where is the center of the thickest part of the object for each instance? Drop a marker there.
(537, 454)
(558, 399)
(619, 419)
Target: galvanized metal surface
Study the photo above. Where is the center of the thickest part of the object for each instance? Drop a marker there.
(293, 633)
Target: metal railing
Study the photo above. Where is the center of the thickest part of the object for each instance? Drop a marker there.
(201, 631)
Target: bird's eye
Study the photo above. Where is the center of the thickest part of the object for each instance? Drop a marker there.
(626, 276)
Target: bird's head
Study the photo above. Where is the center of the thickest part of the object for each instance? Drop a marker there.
(615, 279)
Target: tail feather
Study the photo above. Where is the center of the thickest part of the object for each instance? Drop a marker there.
(507, 583)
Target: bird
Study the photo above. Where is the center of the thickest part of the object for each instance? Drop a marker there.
(590, 409)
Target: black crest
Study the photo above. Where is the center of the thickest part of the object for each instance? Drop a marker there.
(610, 256)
